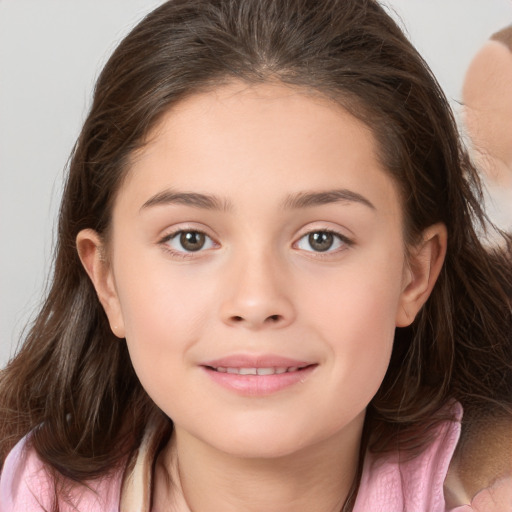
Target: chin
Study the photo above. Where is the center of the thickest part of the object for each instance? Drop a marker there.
(262, 446)
(269, 438)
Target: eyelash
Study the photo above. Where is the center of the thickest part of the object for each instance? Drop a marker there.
(343, 240)
(184, 254)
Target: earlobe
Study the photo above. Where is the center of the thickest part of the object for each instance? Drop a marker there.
(425, 263)
(91, 251)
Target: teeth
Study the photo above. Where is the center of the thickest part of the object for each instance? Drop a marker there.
(266, 371)
(248, 371)
(257, 371)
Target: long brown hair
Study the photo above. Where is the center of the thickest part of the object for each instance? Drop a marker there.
(72, 382)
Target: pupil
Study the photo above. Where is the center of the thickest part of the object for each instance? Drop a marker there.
(321, 241)
(192, 240)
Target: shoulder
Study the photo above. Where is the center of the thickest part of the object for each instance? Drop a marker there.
(469, 474)
(394, 481)
(26, 485)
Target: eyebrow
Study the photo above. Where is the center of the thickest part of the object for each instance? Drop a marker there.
(193, 199)
(310, 199)
(294, 201)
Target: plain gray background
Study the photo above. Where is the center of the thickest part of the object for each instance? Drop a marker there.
(51, 51)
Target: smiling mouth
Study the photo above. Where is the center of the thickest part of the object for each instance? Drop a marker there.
(259, 371)
(263, 379)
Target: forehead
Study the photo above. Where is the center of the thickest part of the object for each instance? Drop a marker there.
(266, 141)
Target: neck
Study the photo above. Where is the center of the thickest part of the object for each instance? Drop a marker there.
(194, 477)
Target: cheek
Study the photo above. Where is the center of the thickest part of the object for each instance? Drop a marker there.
(356, 312)
(362, 336)
(164, 316)
(361, 297)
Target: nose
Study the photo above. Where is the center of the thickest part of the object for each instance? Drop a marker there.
(256, 295)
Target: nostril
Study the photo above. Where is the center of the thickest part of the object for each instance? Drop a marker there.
(271, 319)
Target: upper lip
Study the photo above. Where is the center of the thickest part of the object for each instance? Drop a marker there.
(256, 361)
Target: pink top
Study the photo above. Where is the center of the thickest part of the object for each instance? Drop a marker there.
(387, 484)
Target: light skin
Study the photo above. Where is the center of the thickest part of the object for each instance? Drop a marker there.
(488, 110)
(303, 258)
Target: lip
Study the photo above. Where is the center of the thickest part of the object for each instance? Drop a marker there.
(297, 371)
(255, 361)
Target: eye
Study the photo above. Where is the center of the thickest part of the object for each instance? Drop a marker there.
(188, 241)
(322, 241)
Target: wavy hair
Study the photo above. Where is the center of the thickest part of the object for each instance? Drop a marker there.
(72, 382)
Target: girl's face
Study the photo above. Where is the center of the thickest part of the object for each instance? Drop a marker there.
(257, 270)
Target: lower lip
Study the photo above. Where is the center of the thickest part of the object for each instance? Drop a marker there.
(259, 385)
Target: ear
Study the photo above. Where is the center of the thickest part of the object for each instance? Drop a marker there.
(92, 253)
(424, 265)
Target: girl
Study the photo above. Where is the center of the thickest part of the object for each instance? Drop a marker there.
(268, 291)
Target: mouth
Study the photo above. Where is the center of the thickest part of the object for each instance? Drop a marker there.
(271, 370)
(258, 377)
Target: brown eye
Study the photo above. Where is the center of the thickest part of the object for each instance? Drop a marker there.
(321, 241)
(192, 241)
(187, 241)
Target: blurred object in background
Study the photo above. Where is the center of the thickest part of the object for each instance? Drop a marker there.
(487, 98)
